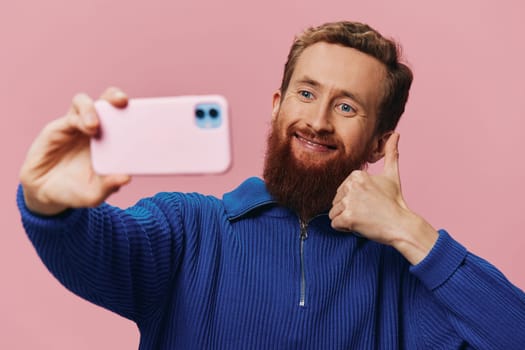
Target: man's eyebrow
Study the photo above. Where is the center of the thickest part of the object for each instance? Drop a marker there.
(309, 81)
(314, 83)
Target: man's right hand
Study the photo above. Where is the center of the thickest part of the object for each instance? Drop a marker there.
(57, 173)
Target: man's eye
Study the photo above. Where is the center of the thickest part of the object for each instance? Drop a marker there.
(346, 108)
(306, 94)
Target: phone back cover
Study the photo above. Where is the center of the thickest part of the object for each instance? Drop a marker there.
(160, 136)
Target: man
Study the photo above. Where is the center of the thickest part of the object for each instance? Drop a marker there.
(319, 255)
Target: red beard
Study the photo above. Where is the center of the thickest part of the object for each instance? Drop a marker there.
(307, 188)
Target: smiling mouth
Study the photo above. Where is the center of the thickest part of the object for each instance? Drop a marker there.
(314, 145)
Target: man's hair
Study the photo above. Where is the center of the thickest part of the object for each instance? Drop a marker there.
(367, 40)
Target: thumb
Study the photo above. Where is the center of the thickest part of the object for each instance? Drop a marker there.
(112, 183)
(391, 165)
(115, 180)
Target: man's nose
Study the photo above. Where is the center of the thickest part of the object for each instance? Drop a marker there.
(321, 119)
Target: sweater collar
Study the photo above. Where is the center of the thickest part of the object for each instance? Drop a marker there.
(249, 196)
(252, 195)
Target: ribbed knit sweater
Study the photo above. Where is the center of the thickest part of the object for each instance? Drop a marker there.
(198, 272)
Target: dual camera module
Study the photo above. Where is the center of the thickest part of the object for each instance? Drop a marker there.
(208, 115)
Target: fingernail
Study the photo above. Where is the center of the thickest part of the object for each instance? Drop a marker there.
(89, 119)
(120, 95)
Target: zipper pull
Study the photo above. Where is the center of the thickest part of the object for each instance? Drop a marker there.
(304, 231)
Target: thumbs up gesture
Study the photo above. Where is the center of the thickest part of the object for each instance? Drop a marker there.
(373, 206)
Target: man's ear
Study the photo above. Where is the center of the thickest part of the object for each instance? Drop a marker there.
(276, 104)
(377, 148)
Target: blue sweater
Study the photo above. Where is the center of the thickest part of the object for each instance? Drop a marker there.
(197, 272)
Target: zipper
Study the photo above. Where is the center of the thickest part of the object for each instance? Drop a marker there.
(303, 237)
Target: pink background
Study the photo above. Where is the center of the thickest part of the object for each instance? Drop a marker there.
(462, 134)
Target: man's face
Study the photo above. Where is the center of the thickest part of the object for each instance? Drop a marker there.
(324, 125)
(334, 92)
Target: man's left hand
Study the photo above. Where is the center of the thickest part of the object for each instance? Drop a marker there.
(373, 205)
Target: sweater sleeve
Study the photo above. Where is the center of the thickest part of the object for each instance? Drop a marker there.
(122, 260)
(483, 307)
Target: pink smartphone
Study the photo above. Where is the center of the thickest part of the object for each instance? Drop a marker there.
(165, 135)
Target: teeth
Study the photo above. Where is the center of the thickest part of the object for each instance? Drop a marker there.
(313, 143)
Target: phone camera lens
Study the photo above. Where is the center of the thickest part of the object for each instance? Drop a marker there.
(199, 113)
(214, 113)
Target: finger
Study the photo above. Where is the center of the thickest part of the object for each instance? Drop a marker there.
(83, 114)
(335, 211)
(391, 166)
(339, 223)
(338, 195)
(356, 177)
(341, 193)
(115, 96)
(341, 190)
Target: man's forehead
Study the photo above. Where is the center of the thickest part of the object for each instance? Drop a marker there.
(343, 68)
(324, 58)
